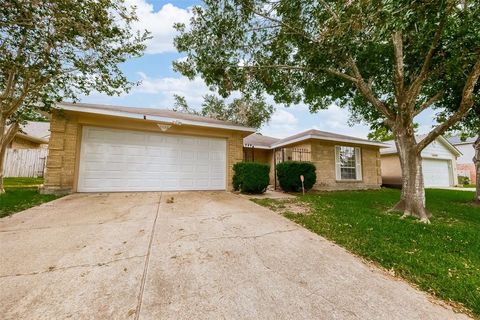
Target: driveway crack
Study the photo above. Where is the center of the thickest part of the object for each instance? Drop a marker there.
(251, 237)
(85, 265)
(147, 261)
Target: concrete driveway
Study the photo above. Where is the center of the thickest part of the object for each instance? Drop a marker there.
(207, 255)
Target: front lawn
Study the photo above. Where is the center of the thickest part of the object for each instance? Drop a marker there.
(442, 258)
(21, 194)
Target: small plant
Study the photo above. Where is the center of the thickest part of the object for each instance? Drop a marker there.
(289, 173)
(463, 180)
(251, 177)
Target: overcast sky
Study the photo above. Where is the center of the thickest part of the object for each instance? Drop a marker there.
(159, 82)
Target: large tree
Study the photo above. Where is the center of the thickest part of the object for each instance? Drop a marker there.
(57, 49)
(386, 60)
(246, 110)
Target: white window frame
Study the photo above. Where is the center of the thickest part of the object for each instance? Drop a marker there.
(358, 164)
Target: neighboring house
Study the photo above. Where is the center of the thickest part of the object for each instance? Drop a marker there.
(33, 135)
(438, 163)
(97, 148)
(465, 165)
(342, 162)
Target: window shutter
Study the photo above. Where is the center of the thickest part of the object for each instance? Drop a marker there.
(337, 163)
(358, 160)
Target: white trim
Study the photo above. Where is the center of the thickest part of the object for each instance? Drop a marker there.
(312, 136)
(140, 116)
(445, 142)
(338, 175)
(358, 164)
(450, 146)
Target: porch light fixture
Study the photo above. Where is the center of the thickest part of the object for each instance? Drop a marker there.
(164, 127)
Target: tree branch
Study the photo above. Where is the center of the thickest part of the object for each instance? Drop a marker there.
(399, 66)
(429, 102)
(465, 105)
(9, 135)
(422, 75)
(368, 93)
(357, 78)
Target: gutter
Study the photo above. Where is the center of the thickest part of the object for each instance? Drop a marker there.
(132, 115)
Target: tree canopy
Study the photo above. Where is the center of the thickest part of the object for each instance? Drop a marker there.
(54, 50)
(246, 110)
(58, 49)
(387, 61)
(322, 52)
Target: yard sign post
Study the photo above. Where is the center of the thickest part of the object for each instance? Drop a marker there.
(303, 187)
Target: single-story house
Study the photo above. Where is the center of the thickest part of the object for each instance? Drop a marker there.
(97, 148)
(33, 135)
(342, 162)
(465, 165)
(438, 163)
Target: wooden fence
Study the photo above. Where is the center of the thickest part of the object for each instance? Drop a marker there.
(25, 162)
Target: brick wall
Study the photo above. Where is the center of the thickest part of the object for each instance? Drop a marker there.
(469, 169)
(323, 156)
(62, 153)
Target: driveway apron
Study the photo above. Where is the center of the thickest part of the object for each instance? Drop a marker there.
(187, 255)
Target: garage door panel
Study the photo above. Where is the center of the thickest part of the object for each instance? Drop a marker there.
(436, 173)
(122, 160)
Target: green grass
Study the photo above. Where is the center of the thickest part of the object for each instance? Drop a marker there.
(442, 258)
(21, 194)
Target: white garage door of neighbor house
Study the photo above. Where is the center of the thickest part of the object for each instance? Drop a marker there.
(123, 160)
(436, 173)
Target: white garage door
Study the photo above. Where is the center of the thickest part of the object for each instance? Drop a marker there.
(122, 160)
(436, 173)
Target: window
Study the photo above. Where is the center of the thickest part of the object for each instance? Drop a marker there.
(348, 163)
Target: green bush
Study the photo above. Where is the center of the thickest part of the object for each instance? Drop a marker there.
(251, 177)
(289, 172)
(463, 180)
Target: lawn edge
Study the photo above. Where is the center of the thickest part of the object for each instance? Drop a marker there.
(457, 307)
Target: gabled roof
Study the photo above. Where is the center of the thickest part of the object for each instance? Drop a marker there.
(392, 149)
(456, 140)
(259, 141)
(160, 115)
(323, 135)
(35, 131)
(265, 142)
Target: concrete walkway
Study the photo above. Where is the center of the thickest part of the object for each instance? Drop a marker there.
(207, 255)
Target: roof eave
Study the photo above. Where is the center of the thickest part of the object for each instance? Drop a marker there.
(451, 146)
(310, 136)
(139, 116)
(31, 138)
(257, 147)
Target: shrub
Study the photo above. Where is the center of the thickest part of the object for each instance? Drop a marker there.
(463, 180)
(251, 177)
(289, 172)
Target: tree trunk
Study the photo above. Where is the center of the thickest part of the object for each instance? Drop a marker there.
(6, 137)
(476, 161)
(3, 150)
(412, 199)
